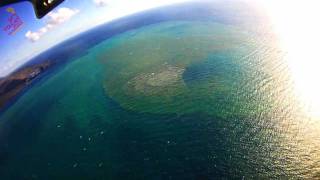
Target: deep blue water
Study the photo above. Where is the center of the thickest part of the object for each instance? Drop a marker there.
(217, 64)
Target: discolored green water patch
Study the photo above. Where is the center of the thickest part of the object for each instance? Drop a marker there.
(180, 67)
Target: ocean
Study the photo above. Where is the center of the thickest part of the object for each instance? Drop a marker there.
(169, 98)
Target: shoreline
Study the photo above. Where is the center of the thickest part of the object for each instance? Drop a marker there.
(16, 83)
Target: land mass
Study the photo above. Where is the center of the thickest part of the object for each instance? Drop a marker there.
(16, 82)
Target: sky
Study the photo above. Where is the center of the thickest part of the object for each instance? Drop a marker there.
(65, 21)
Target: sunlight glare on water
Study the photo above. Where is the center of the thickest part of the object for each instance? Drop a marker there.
(297, 25)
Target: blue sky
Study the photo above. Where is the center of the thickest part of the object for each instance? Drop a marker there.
(68, 19)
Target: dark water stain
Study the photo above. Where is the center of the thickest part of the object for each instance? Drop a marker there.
(216, 65)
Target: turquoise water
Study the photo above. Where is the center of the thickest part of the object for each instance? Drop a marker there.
(174, 100)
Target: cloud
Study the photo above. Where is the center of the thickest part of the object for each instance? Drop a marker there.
(33, 36)
(54, 19)
(100, 3)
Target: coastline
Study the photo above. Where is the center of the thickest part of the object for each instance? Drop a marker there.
(15, 83)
